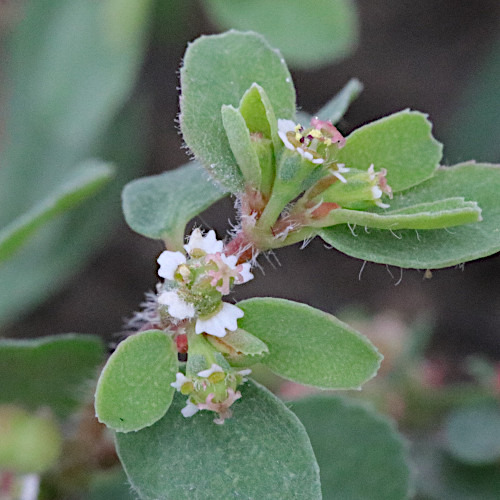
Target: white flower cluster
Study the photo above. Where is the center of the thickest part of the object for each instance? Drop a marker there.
(313, 143)
(201, 382)
(222, 271)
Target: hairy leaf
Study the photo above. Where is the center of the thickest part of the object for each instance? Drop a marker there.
(218, 70)
(402, 143)
(160, 206)
(309, 346)
(437, 248)
(134, 388)
(193, 458)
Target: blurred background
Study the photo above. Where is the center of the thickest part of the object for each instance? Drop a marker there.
(84, 79)
(440, 57)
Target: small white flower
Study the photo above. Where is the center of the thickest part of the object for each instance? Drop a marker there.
(177, 308)
(285, 126)
(213, 369)
(217, 324)
(169, 262)
(189, 410)
(245, 372)
(180, 380)
(208, 243)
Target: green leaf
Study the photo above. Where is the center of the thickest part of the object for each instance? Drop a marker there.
(50, 371)
(470, 130)
(473, 434)
(309, 346)
(431, 215)
(82, 182)
(190, 458)
(241, 145)
(240, 347)
(402, 143)
(218, 70)
(335, 109)
(438, 477)
(434, 248)
(360, 454)
(110, 485)
(134, 388)
(160, 206)
(308, 35)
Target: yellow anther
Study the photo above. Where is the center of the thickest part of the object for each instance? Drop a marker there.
(187, 388)
(298, 136)
(328, 142)
(216, 377)
(184, 271)
(316, 133)
(297, 127)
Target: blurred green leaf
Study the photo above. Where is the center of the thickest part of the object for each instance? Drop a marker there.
(112, 485)
(402, 143)
(134, 388)
(187, 458)
(473, 434)
(473, 130)
(160, 206)
(439, 477)
(82, 182)
(71, 66)
(309, 346)
(308, 35)
(50, 371)
(432, 249)
(218, 70)
(335, 109)
(360, 454)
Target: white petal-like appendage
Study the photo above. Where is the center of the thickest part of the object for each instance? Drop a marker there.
(245, 273)
(177, 308)
(216, 325)
(180, 380)
(208, 243)
(213, 369)
(189, 410)
(169, 262)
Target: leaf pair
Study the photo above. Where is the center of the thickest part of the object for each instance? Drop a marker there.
(305, 345)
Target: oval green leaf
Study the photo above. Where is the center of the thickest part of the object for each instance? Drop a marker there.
(402, 143)
(50, 371)
(308, 35)
(160, 206)
(218, 70)
(309, 346)
(134, 387)
(473, 434)
(439, 477)
(433, 249)
(359, 452)
(188, 458)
